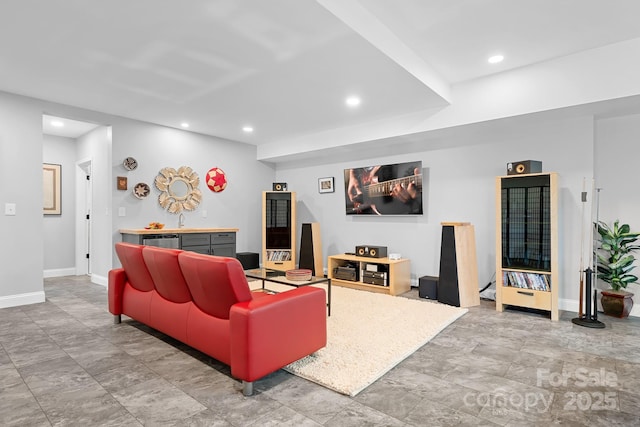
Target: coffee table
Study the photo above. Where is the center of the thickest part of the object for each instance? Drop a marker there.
(275, 276)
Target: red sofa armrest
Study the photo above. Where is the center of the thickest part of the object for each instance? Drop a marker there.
(270, 332)
(117, 280)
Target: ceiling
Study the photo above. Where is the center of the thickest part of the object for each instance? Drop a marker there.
(285, 67)
(62, 126)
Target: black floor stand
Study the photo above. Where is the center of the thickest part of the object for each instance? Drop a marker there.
(587, 320)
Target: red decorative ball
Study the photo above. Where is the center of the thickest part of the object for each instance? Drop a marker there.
(216, 180)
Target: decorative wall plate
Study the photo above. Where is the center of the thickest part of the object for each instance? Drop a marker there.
(141, 190)
(130, 163)
(216, 180)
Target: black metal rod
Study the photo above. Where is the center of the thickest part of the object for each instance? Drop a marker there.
(587, 295)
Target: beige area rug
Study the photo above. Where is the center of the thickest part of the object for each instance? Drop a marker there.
(367, 335)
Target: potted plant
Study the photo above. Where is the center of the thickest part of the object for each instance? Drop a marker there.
(615, 261)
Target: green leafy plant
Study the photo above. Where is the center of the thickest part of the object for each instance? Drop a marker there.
(615, 254)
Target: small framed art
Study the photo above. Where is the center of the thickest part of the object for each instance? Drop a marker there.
(52, 189)
(325, 185)
(122, 183)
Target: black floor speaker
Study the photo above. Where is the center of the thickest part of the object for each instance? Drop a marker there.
(311, 248)
(428, 287)
(458, 280)
(249, 260)
(448, 283)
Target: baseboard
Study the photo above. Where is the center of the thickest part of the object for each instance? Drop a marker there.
(59, 272)
(99, 280)
(568, 305)
(22, 299)
(573, 305)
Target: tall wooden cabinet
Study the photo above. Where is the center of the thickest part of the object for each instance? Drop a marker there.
(279, 230)
(527, 242)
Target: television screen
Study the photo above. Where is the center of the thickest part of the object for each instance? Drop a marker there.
(394, 189)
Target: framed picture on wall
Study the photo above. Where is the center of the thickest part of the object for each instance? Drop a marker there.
(122, 183)
(51, 189)
(325, 185)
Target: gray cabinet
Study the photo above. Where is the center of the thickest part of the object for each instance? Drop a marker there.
(220, 244)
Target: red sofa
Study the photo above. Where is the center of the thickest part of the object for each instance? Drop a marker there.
(205, 302)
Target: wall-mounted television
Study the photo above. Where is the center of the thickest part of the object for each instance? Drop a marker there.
(394, 189)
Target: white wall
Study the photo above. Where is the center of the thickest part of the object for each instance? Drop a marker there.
(21, 251)
(459, 185)
(96, 146)
(616, 173)
(155, 147)
(59, 230)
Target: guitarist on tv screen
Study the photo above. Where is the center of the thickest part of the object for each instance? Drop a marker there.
(384, 190)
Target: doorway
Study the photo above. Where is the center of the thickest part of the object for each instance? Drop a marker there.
(69, 237)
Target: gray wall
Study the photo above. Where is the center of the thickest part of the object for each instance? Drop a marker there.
(616, 165)
(21, 252)
(59, 230)
(459, 186)
(96, 146)
(155, 147)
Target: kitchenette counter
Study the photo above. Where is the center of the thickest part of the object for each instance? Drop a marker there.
(210, 241)
(176, 230)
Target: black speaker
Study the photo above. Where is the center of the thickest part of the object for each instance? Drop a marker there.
(311, 248)
(448, 281)
(428, 287)
(279, 186)
(524, 167)
(249, 260)
(371, 251)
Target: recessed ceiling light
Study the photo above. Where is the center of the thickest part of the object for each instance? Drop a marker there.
(495, 59)
(57, 123)
(184, 124)
(352, 101)
(247, 129)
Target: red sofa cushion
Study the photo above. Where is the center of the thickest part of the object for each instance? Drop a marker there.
(136, 304)
(166, 273)
(209, 334)
(138, 276)
(216, 283)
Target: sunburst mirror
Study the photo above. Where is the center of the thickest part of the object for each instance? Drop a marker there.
(178, 189)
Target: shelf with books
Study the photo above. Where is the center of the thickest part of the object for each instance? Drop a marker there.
(527, 242)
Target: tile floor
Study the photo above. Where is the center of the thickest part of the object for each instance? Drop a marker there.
(64, 362)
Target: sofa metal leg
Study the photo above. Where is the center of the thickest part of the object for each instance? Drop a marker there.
(247, 388)
(117, 319)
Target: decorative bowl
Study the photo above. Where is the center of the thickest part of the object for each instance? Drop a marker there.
(155, 226)
(300, 274)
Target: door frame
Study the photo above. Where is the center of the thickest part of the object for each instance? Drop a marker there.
(84, 204)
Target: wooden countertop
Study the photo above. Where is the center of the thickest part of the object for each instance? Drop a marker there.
(176, 230)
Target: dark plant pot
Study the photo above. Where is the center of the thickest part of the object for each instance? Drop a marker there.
(617, 303)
